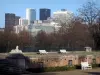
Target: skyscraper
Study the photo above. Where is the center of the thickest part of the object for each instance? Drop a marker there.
(30, 15)
(9, 21)
(17, 20)
(45, 13)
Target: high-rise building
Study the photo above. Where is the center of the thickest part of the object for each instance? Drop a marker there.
(45, 13)
(17, 20)
(9, 21)
(30, 15)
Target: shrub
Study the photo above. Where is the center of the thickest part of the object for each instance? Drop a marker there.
(62, 68)
(58, 68)
(95, 65)
(98, 65)
(52, 69)
(35, 70)
(71, 67)
(78, 66)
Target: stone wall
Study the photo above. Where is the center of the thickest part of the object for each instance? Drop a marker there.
(57, 61)
(97, 59)
(64, 60)
(60, 60)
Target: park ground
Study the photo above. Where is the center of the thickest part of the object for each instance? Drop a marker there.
(95, 71)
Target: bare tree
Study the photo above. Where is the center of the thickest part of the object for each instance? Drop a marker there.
(89, 12)
(25, 39)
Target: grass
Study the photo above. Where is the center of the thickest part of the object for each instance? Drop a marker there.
(80, 53)
(83, 53)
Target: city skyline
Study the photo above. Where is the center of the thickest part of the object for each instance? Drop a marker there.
(19, 7)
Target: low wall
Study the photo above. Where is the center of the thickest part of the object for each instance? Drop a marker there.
(57, 61)
(65, 60)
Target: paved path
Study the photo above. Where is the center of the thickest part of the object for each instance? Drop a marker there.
(75, 72)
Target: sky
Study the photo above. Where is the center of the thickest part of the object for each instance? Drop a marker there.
(19, 6)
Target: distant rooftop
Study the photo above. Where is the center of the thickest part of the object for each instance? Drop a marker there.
(10, 13)
(31, 8)
(44, 8)
(63, 9)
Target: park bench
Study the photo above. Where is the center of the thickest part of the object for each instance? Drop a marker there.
(63, 51)
(85, 65)
(43, 52)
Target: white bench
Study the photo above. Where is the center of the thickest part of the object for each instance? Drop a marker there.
(85, 65)
(63, 51)
(43, 52)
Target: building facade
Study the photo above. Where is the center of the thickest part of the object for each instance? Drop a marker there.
(9, 21)
(23, 21)
(45, 13)
(36, 27)
(30, 15)
(19, 28)
(46, 27)
(17, 20)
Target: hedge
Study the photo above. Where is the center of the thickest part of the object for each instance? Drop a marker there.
(62, 68)
(58, 68)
